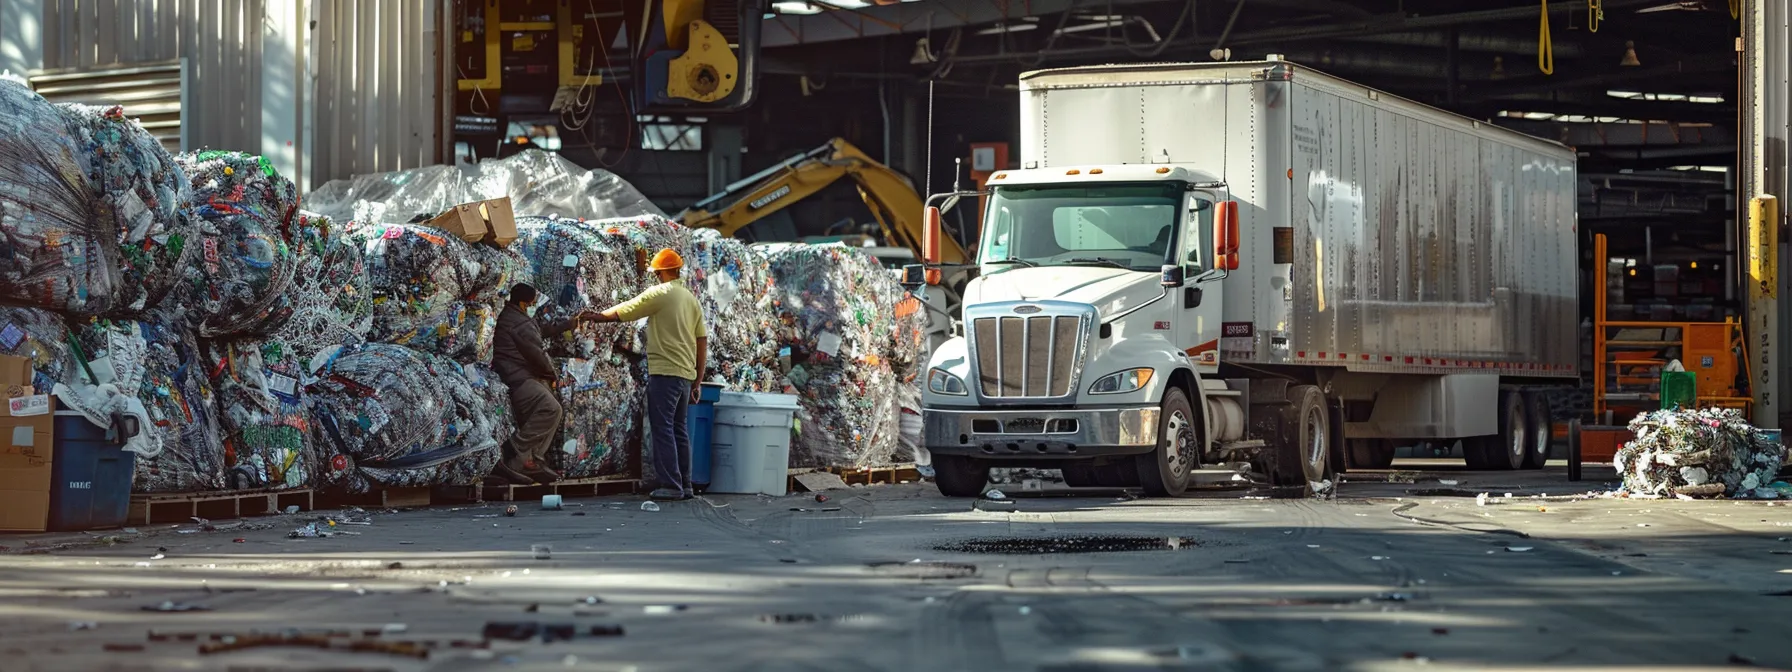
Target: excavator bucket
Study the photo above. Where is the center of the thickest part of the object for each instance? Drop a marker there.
(696, 56)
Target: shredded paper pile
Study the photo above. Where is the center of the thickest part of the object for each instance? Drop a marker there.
(1698, 453)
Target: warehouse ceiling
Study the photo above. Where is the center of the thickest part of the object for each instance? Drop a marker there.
(1644, 89)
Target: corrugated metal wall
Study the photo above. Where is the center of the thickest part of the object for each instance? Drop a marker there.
(221, 40)
(365, 80)
(379, 86)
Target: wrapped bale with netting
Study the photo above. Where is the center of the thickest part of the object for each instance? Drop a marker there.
(236, 283)
(331, 301)
(433, 291)
(159, 359)
(143, 195)
(537, 183)
(57, 249)
(733, 284)
(266, 428)
(1698, 453)
(391, 416)
(42, 337)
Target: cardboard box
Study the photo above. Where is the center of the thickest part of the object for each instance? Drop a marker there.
(490, 221)
(27, 444)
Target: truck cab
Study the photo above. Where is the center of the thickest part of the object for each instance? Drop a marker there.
(1087, 334)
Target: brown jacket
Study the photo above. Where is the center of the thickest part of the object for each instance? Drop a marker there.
(518, 354)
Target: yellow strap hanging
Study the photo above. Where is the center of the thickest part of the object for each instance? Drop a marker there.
(1735, 9)
(1596, 13)
(1546, 50)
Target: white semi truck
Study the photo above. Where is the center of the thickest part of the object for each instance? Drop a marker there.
(1224, 263)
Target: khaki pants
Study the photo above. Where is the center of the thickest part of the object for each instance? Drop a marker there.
(537, 422)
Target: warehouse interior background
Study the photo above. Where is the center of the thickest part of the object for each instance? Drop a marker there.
(1676, 123)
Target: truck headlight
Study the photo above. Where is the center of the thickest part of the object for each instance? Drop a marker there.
(945, 383)
(1130, 380)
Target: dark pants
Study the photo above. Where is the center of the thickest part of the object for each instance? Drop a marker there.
(668, 398)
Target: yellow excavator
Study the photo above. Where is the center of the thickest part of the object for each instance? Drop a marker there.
(892, 199)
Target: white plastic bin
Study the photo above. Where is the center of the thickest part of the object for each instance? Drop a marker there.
(751, 443)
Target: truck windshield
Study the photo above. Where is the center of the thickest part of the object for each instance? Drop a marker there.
(1122, 225)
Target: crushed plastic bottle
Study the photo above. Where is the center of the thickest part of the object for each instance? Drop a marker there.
(650, 506)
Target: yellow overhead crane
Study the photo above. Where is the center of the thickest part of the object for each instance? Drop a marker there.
(687, 55)
(899, 210)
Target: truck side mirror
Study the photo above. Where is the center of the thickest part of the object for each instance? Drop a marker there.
(914, 276)
(1225, 236)
(930, 237)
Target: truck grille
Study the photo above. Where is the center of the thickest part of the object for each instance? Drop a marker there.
(1026, 356)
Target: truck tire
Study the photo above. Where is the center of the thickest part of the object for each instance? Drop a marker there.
(1165, 472)
(1369, 453)
(959, 476)
(1303, 456)
(1539, 430)
(1505, 450)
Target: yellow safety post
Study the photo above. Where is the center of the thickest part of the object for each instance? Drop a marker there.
(1763, 304)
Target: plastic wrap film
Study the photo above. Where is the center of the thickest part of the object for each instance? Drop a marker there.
(1698, 453)
(42, 337)
(57, 251)
(733, 284)
(837, 312)
(144, 193)
(159, 358)
(330, 302)
(538, 183)
(245, 213)
(267, 430)
(433, 291)
(388, 415)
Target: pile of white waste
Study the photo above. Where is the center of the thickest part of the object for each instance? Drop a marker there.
(1699, 453)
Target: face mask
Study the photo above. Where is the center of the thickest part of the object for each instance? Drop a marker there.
(530, 311)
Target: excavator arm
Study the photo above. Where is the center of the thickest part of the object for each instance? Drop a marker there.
(892, 200)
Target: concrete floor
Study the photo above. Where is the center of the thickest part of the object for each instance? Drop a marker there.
(1391, 575)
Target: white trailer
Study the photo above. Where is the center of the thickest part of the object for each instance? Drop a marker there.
(1212, 263)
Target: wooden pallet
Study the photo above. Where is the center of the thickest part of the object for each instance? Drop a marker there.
(896, 473)
(181, 507)
(383, 498)
(600, 486)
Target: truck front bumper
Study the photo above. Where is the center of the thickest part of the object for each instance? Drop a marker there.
(1034, 433)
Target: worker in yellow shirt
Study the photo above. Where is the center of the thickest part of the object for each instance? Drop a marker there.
(677, 355)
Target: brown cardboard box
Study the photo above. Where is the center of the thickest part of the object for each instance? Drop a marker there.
(490, 221)
(26, 447)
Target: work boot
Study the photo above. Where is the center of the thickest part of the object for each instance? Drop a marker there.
(668, 494)
(540, 472)
(503, 472)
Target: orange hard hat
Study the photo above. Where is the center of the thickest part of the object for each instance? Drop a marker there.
(666, 260)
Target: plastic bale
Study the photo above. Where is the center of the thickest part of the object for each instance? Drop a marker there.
(59, 252)
(330, 302)
(145, 193)
(392, 416)
(267, 430)
(733, 283)
(434, 291)
(602, 402)
(246, 215)
(160, 359)
(40, 336)
(537, 183)
(1697, 453)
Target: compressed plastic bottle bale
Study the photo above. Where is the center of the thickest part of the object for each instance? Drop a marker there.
(58, 251)
(1694, 452)
(577, 269)
(159, 359)
(463, 331)
(330, 302)
(733, 284)
(144, 192)
(267, 430)
(602, 402)
(538, 183)
(40, 336)
(393, 416)
(245, 214)
(434, 291)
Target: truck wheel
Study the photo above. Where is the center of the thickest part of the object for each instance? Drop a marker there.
(1539, 431)
(1508, 450)
(1304, 455)
(1574, 449)
(1164, 472)
(1369, 453)
(1079, 474)
(959, 476)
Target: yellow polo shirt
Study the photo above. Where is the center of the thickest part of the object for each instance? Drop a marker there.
(674, 323)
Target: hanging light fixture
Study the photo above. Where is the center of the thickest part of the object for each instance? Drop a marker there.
(923, 53)
(1629, 59)
(1499, 68)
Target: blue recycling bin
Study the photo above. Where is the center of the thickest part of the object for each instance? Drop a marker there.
(90, 476)
(700, 423)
